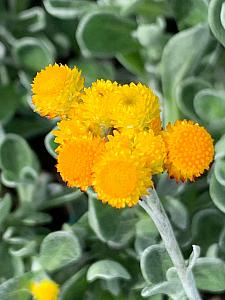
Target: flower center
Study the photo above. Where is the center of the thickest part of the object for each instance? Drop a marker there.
(129, 101)
(119, 178)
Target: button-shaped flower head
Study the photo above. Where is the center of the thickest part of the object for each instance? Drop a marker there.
(76, 159)
(137, 107)
(189, 150)
(121, 176)
(56, 89)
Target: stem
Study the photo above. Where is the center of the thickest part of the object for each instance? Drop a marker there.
(152, 205)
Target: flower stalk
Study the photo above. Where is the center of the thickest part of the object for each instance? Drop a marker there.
(152, 205)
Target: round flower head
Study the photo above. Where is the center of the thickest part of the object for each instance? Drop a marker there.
(98, 102)
(44, 290)
(189, 150)
(136, 107)
(76, 159)
(152, 148)
(56, 89)
(120, 178)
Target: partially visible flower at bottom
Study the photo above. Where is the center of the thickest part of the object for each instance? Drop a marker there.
(44, 290)
(189, 150)
(120, 180)
(76, 159)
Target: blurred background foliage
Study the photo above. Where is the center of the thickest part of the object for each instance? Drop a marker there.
(92, 250)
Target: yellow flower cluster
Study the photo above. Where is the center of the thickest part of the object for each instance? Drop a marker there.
(110, 136)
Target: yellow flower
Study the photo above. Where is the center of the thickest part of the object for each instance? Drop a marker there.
(136, 107)
(68, 130)
(190, 150)
(56, 89)
(148, 147)
(44, 290)
(152, 148)
(76, 159)
(120, 178)
(98, 103)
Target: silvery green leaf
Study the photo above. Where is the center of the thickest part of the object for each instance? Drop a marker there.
(32, 19)
(2, 51)
(181, 59)
(220, 147)
(114, 35)
(219, 170)
(114, 227)
(170, 288)
(5, 207)
(206, 227)
(10, 93)
(58, 249)
(186, 91)
(113, 286)
(168, 187)
(155, 261)
(210, 274)
(190, 12)
(212, 251)
(177, 211)
(7, 263)
(75, 286)
(134, 62)
(107, 270)
(92, 69)
(209, 105)
(16, 288)
(215, 17)
(32, 53)
(37, 218)
(146, 234)
(15, 155)
(50, 144)
(68, 9)
(26, 251)
(217, 191)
